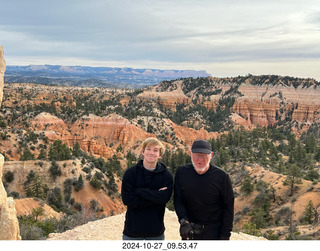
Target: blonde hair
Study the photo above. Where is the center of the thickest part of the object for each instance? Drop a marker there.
(153, 142)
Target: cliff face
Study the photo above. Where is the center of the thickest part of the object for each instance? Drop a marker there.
(95, 131)
(102, 135)
(265, 104)
(254, 104)
(9, 226)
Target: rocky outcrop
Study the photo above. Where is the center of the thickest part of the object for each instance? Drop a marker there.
(111, 229)
(9, 225)
(95, 133)
(52, 127)
(167, 98)
(27, 205)
(258, 104)
(266, 104)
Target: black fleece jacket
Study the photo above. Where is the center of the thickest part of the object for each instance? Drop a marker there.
(204, 199)
(145, 203)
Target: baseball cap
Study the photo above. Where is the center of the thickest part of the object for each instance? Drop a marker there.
(201, 146)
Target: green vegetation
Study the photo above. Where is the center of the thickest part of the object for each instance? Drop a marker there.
(279, 151)
(33, 228)
(59, 151)
(275, 148)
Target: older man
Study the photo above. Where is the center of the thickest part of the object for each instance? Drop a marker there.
(203, 197)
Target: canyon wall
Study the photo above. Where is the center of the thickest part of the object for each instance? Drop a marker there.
(9, 225)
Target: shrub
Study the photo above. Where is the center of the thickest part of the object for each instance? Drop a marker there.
(78, 185)
(55, 198)
(55, 169)
(251, 228)
(67, 189)
(247, 187)
(33, 229)
(96, 183)
(9, 176)
(27, 155)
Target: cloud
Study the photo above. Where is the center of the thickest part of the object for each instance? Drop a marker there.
(161, 32)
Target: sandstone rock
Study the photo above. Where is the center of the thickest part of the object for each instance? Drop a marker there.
(97, 131)
(111, 229)
(27, 205)
(9, 225)
(168, 99)
(262, 104)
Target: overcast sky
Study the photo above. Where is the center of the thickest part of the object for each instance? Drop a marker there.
(225, 38)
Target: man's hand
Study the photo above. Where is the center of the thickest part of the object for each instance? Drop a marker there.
(185, 230)
(163, 188)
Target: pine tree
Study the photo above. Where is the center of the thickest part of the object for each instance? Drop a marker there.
(55, 169)
(79, 184)
(294, 175)
(35, 187)
(311, 144)
(77, 152)
(43, 154)
(27, 155)
(247, 187)
(59, 151)
(308, 215)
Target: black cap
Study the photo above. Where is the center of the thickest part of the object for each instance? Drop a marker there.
(201, 146)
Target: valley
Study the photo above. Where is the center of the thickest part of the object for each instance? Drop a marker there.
(264, 131)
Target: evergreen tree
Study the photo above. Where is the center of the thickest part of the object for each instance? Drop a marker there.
(42, 155)
(262, 200)
(27, 155)
(79, 184)
(36, 187)
(55, 198)
(312, 174)
(308, 215)
(55, 169)
(77, 152)
(261, 218)
(294, 175)
(311, 144)
(247, 187)
(131, 159)
(9, 176)
(95, 183)
(59, 151)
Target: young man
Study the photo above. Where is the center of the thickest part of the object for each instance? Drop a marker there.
(146, 188)
(203, 197)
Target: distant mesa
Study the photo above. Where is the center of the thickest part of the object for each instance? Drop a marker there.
(94, 76)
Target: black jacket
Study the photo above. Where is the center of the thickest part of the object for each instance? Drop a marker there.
(205, 199)
(145, 203)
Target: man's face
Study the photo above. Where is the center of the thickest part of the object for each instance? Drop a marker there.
(151, 153)
(201, 161)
